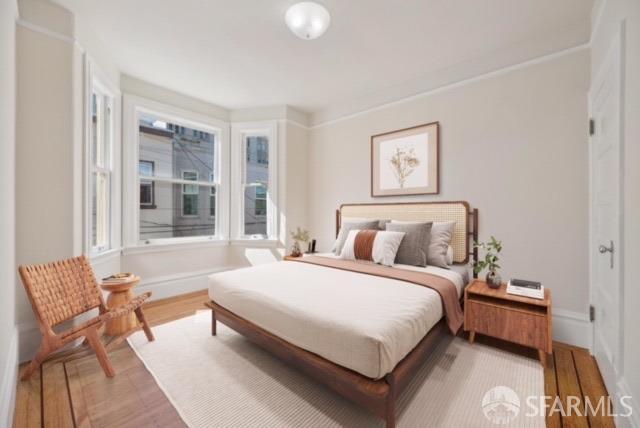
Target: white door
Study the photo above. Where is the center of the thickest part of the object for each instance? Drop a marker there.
(606, 245)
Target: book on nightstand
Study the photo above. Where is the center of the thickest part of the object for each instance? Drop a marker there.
(520, 287)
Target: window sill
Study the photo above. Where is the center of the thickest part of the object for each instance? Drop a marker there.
(174, 246)
(105, 255)
(261, 243)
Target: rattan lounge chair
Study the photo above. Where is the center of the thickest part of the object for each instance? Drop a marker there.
(61, 291)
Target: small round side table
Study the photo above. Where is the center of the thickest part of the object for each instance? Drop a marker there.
(120, 294)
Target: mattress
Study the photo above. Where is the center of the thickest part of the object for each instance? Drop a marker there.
(362, 322)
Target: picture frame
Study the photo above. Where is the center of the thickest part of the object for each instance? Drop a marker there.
(406, 161)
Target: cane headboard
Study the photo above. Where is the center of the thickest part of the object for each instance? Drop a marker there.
(465, 230)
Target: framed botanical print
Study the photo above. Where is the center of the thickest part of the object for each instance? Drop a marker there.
(405, 162)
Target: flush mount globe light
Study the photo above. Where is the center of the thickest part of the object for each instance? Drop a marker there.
(307, 20)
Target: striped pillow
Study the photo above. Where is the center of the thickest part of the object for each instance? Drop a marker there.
(372, 245)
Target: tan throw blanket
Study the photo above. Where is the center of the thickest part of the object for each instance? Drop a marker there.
(444, 287)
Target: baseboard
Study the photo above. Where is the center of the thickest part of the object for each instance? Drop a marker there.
(162, 287)
(632, 421)
(573, 328)
(8, 382)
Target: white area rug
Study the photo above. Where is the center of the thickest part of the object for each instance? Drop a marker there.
(225, 381)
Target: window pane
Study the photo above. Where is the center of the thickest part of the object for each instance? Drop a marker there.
(146, 193)
(166, 220)
(173, 148)
(189, 205)
(257, 154)
(145, 168)
(255, 212)
(190, 189)
(100, 211)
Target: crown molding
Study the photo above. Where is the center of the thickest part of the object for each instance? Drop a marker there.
(45, 31)
(457, 84)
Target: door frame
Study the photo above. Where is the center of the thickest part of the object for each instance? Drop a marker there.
(615, 52)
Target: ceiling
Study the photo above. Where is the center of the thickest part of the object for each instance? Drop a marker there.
(239, 53)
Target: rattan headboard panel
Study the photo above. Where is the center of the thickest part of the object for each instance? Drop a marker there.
(420, 211)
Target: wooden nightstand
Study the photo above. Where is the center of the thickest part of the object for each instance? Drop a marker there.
(516, 319)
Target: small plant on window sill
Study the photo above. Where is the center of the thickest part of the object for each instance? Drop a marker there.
(300, 235)
(490, 262)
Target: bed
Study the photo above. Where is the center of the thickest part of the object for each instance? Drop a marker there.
(365, 340)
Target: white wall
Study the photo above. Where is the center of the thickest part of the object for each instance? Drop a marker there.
(608, 17)
(48, 167)
(134, 86)
(513, 144)
(8, 332)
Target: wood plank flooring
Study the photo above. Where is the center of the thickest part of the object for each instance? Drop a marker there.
(71, 390)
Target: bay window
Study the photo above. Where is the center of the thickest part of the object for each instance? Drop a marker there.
(189, 182)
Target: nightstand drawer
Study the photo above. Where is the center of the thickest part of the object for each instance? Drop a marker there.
(529, 328)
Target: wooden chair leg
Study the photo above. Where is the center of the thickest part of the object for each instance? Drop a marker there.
(214, 325)
(34, 365)
(145, 324)
(101, 353)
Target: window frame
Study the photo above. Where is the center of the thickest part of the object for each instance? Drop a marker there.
(96, 81)
(240, 131)
(135, 106)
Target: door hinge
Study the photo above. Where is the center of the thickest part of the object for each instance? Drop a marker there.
(592, 313)
(592, 126)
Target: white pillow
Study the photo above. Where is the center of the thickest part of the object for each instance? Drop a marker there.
(449, 255)
(441, 234)
(384, 247)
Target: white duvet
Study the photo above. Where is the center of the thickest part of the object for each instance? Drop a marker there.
(362, 322)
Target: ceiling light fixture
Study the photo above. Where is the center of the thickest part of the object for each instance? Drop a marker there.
(307, 20)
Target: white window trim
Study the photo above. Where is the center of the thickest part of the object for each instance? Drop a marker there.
(94, 77)
(133, 106)
(239, 131)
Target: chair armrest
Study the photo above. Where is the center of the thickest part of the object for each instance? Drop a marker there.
(127, 308)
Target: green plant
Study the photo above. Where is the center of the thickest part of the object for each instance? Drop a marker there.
(300, 235)
(490, 262)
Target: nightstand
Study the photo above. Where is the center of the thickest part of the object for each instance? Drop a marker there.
(517, 319)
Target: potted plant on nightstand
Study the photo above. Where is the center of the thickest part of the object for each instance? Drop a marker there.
(490, 262)
(298, 236)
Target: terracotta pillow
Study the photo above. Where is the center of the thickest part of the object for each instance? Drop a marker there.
(349, 225)
(375, 246)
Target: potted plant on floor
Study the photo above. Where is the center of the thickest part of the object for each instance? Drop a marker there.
(490, 262)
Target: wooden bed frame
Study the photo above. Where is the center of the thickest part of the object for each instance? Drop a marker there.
(377, 396)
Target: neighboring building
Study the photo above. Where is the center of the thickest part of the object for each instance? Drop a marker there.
(169, 209)
(255, 197)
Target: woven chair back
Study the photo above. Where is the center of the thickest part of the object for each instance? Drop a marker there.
(61, 290)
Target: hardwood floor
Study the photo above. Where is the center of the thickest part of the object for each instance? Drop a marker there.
(71, 390)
